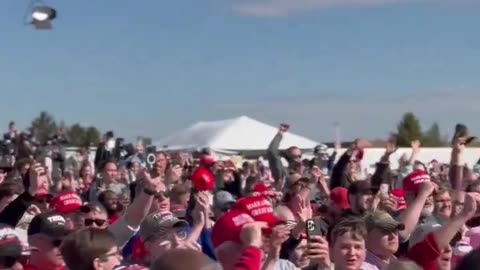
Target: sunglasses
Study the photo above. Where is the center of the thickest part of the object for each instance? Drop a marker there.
(160, 194)
(99, 222)
(43, 200)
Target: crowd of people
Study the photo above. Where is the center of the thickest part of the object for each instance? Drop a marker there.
(170, 211)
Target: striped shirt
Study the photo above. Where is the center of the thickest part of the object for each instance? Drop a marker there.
(373, 262)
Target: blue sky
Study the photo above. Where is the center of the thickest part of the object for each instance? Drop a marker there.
(158, 66)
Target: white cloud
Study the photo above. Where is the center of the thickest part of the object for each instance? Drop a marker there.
(277, 8)
(373, 116)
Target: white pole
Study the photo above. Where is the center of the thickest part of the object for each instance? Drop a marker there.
(337, 132)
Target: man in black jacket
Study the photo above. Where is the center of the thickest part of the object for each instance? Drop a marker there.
(343, 173)
(104, 150)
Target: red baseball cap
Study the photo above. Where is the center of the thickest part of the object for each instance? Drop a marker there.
(228, 227)
(202, 179)
(259, 208)
(413, 181)
(42, 193)
(206, 161)
(65, 203)
(260, 190)
(339, 196)
(398, 195)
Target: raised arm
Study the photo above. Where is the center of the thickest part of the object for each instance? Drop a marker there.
(456, 166)
(380, 175)
(415, 150)
(274, 157)
(126, 227)
(445, 234)
(411, 215)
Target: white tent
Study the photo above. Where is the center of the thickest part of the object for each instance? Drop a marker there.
(238, 134)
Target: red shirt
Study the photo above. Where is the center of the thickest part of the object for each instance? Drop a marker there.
(251, 259)
(31, 267)
(113, 219)
(425, 253)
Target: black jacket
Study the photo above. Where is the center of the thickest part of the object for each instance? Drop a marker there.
(13, 212)
(339, 176)
(102, 155)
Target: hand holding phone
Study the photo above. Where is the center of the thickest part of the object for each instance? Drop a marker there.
(384, 189)
(318, 252)
(315, 227)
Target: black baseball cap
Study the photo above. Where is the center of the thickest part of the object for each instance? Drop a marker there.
(51, 224)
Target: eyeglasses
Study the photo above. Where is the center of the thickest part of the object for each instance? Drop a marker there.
(99, 222)
(115, 253)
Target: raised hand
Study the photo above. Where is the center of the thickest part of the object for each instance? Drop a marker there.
(301, 208)
(175, 173)
(388, 204)
(283, 128)
(316, 173)
(251, 234)
(201, 209)
(458, 147)
(318, 251)
(279, 235)
(415, 146)
(33, 210)
(150, 184)
(427, 188)
(472, 199)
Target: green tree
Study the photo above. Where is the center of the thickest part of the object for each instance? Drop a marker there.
(76, 135)
(92, 136)
(408, 129)
(83, 136)
(43, 126)
(432, 137)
